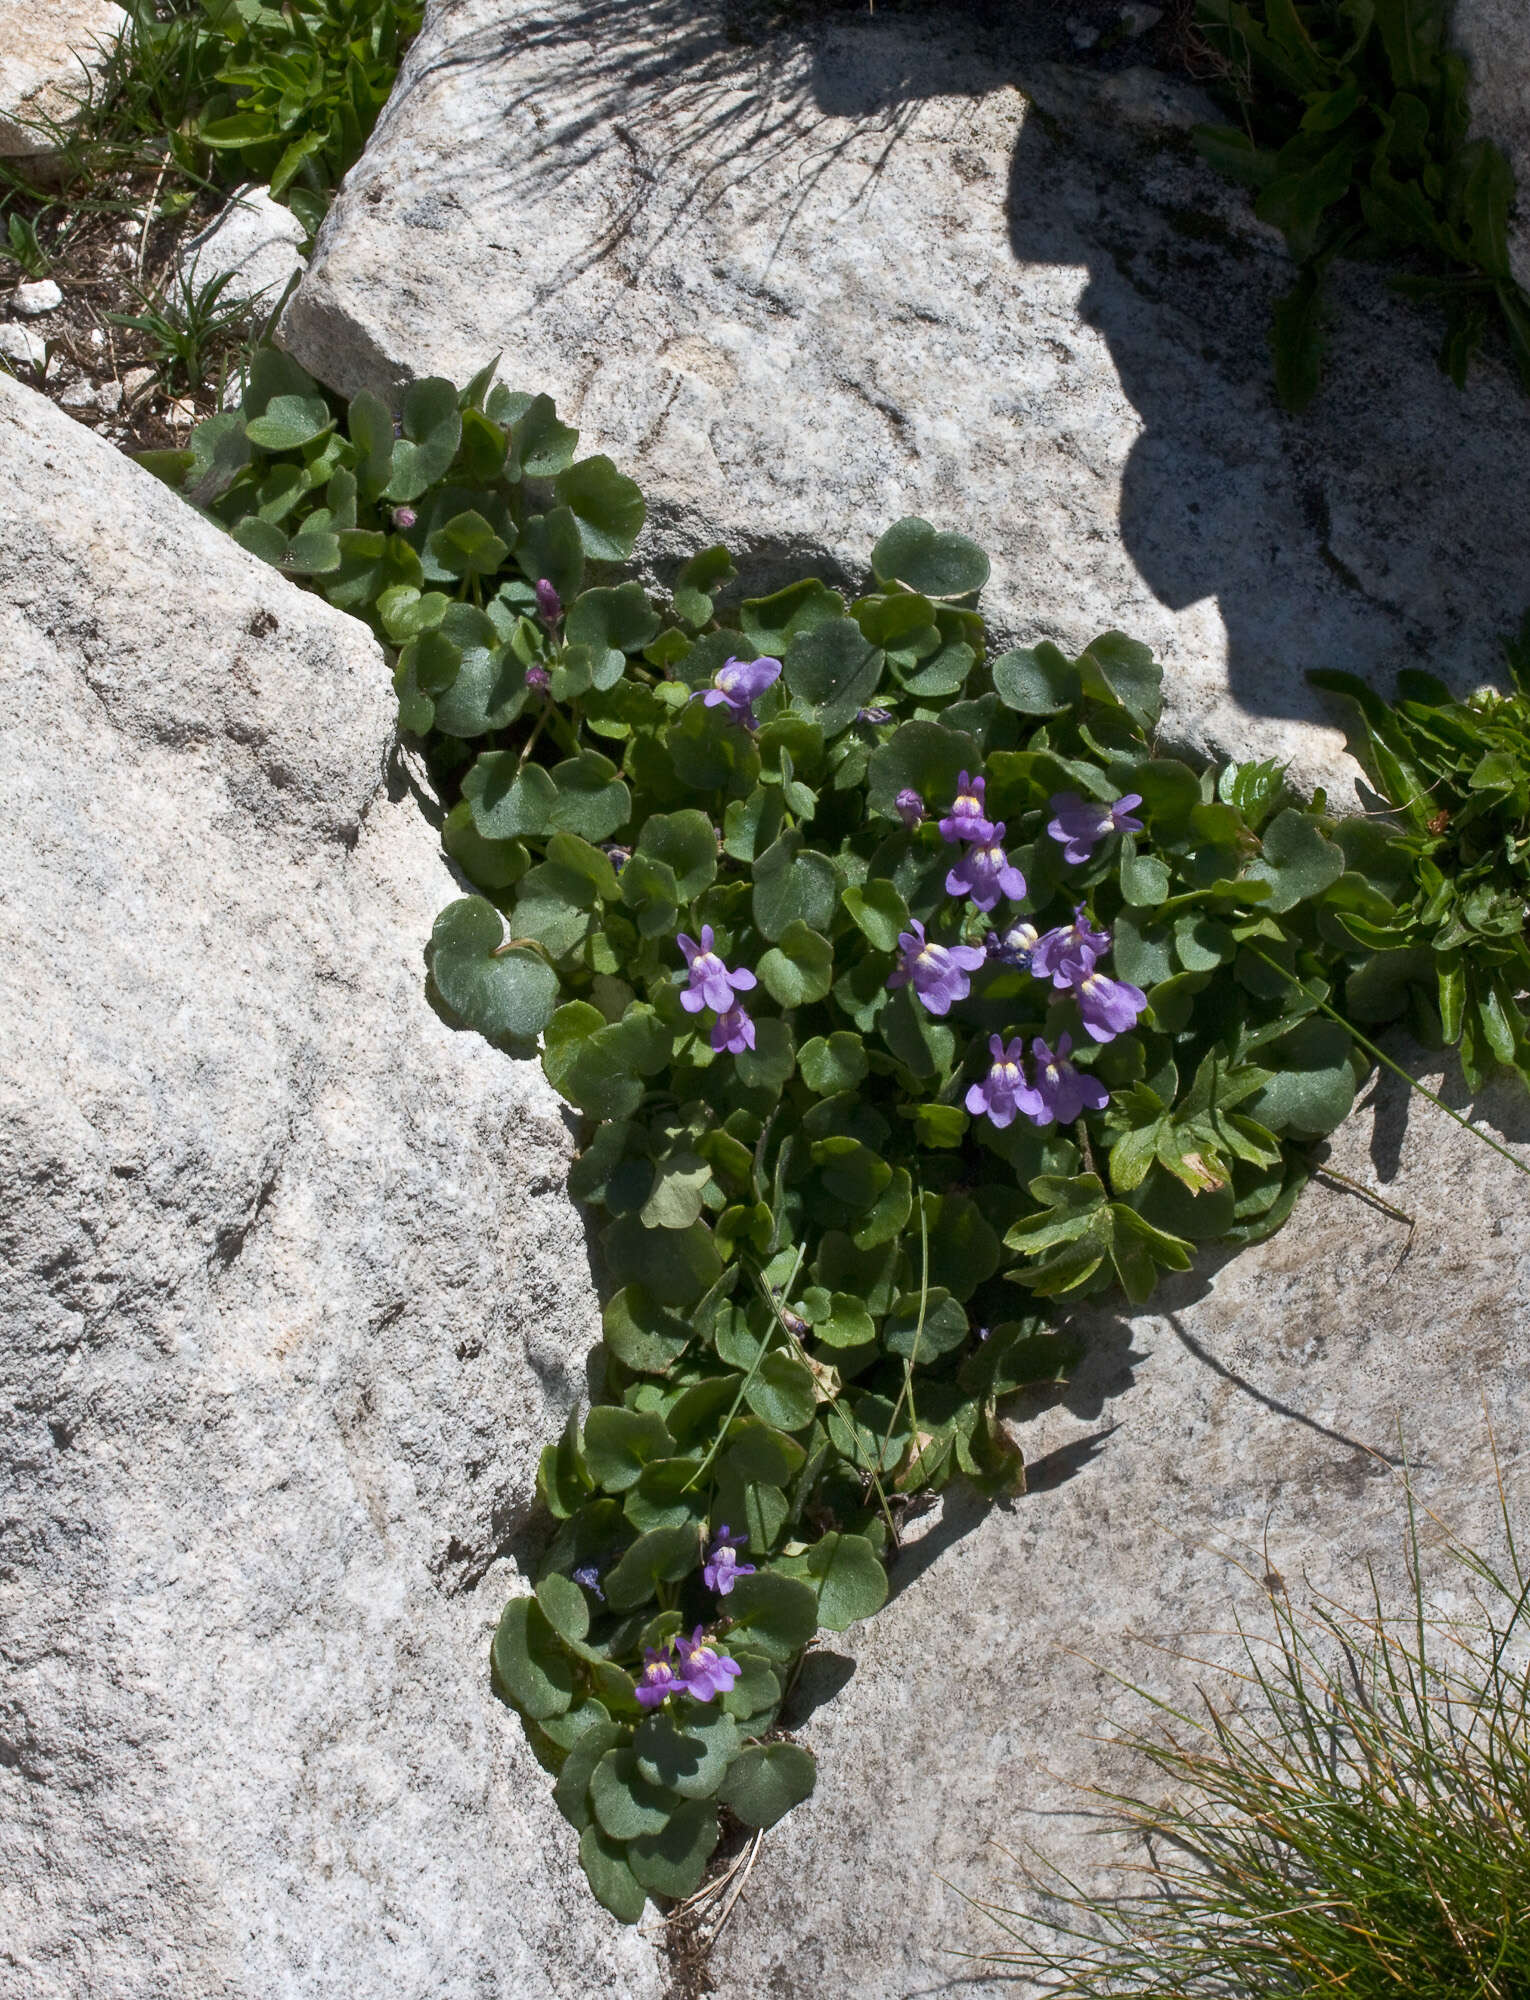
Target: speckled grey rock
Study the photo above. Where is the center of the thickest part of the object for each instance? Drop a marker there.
(292, 1295)
(51, 57)
(1247, 1421)
(803, 283)
(1494, 35)
(255, 241)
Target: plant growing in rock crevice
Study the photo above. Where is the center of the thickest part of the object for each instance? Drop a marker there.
(909, 994)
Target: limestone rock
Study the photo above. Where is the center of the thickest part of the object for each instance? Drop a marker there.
(1252, 1419)
(1494, 36)
(802, 284)
(22, 346)
(51, 57)
(34, 300)
(256, 241)
(292, 1297)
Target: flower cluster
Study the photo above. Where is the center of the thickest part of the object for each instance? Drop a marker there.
(690, 1666)
(1069, 957)
(712, 985)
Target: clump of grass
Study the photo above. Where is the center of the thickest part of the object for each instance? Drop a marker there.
(1350, 1817)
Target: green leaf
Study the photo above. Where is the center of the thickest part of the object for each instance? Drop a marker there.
(675, 1201)
(766, 1781)
(540, 446)
(686, 843)
(673, 1861)
(530, 1666)
(879, 912)
(571, 1793)
(619, 1442)
(503, 992)
(663, 1555)
(686, 1749)
(611, 623)
(1297, 861)
(591, 800)
(506, 800)
(922, 757)
(565, 1605)
(626, 1803)
(799, 969)
(782, 1392)
(774, 1612)
(607, 506)
(773, 623)
(677, 1266)
(943, 1330)
(432, 432)
(935, 565)
(762, 1455)
(699, 581)
(769, 1064)
(611, 1880)
(834, 670)
(832, 1063)
(549, 545)
(1314, 1086)
(793, 885)
(466, 546)
(1036, 680)
(852, 1584)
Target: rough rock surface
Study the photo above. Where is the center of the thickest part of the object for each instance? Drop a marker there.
(1247, 1421)
(1494, 35)
(292, 1296)
(805, 283)
(256, 241)
(50, 57)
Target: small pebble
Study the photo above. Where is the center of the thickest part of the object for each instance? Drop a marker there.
(32, 301)
(136, 382)
(97, 338)
(21, 347)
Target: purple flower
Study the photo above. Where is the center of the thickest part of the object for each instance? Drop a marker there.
(404, 517)
(660, 1676)
(873, 715)
(910, 807)
(549, 603)
(1063, 1091)
(737, 683)
(712, 984)
(966, 819)
(704, 1670)
(1070, 953)
(538, 678)
(589, 1576)
(1004, 1090)
(1013, 946)
(722, 1568)
(1081, 827)
(985, 872)
(732, 1031)
(616, 854)
(938, 971)
(1109, 1006)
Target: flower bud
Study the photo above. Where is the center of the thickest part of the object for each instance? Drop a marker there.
(538, 678)
(549, 603)
(404, 517)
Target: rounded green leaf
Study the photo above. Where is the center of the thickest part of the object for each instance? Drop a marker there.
(879, 912)
(289, 422)
(777, 1613)
(506, 799)
(793, 885)
(591, 800)
(607, 505)
(571, 1794)
(686, 844)
(852, 1583)
(944, 1326)
(565, 1605)
(835, 669)
(432, 432)
(848, 1324)
(466, 546)
(759, 1453)
(767, 1780)
(642, 1334)
(660, 1555)
(769, 1064)
(936, 565)
(799, 969)
(673, 1861)
(1313, 1089)
(619, 1442)
(676, 1266)
(532, 1669)
(832, 1063)
(1297, 860)
(611, 623)
(503, 993)
(782, 1392)
(686, 1748)
(921, 757)
(1035, 680)
(611, 1880)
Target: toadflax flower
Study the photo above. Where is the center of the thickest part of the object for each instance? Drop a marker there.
(1081, 825)
(705, 1672)
(738, 683)
(732, 1031)
(722, 1568)
(589, 1576)
(538, 678)
(1004, 1090)
(711, 983)
(1071, 952)
(1014, 945)
(910, 807)
(549, 603)
(1063, 1091)
(937, 972)
(1108, 1006)
(660, 1676)
(966, 820)
(985, 872)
